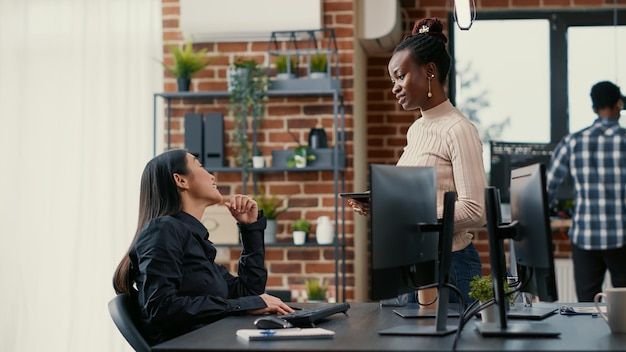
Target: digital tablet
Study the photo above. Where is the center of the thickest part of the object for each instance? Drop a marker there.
(359, 196)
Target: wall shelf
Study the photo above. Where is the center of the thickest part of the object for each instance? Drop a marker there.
(337, 167)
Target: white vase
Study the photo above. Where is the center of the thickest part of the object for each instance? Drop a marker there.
(317, 75)
(324, 232)
(299, 237)
(270, 231)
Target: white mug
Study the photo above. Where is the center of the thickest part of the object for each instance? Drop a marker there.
(615, 308)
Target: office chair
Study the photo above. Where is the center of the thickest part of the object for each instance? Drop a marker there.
(125, 312)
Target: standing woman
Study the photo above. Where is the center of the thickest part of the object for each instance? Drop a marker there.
(442, 138)
(170, 266)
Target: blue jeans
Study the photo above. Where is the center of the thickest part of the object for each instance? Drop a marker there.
(465, 265)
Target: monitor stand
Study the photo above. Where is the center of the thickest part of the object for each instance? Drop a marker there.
(516, 330)
(526, 310)
(413, 310)
(446, 231)
(440, 328)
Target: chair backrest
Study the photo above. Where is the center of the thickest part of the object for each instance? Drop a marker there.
(125, 313)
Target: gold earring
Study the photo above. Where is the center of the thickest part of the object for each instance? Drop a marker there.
(430, 94)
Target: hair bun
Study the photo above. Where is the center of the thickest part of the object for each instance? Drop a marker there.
(430, 26)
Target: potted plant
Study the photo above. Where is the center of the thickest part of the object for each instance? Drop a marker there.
(300, 229)
(270, 207)
(248, 94)
(316, 291)
(301, 155)
(318, 65)
(481, 289)
(186, 63)
(286, 66)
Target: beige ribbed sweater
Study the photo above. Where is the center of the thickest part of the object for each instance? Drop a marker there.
(446, 140)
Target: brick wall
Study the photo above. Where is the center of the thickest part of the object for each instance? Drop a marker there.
(309, 194)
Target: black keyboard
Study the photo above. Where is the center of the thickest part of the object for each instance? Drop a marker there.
(308, 317)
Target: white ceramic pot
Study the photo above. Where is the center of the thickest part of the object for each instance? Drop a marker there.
(299, 237)
(489, 314)
(258, 162)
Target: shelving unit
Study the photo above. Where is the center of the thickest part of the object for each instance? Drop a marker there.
(336, 168)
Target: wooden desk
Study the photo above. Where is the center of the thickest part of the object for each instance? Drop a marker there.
(358, 332)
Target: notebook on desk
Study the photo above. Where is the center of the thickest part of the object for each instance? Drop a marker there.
(285, 334)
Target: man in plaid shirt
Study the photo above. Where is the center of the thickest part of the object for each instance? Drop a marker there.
(595, 157)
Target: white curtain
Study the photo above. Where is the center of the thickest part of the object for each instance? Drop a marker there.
(76, 84)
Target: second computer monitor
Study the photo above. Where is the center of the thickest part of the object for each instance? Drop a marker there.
(402, 256)
(533, 244)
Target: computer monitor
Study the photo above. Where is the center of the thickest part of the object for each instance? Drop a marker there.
(530, 231)
(400, 198)
(534, 252)
(506, 156)
(406, 249)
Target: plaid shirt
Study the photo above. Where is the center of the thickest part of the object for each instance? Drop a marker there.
(596, 159)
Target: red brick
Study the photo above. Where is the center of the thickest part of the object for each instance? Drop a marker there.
(432, 3)
(306, 123)
(171, 10)
(232, 47)
(287, 268)
(275, 281)
(172, 36)
(343, 32)
(343, 19)
(285, 189)
(525, 3)
(313, 188)
(274, 254)
(170, 23)
(269, 123)
(311, 268)
(303, 202)
(317, 109)
(303, 254)
(494, 3)
(213, 85)
(337, 6)
(303, 176)
(281, 110)
(588, 2)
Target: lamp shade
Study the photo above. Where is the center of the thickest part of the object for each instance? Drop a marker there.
(464, 13)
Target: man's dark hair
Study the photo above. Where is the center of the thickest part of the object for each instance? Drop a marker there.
(605, 95)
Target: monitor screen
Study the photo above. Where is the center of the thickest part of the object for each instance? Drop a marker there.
(505, 156)
(533, 242)
(402, 256)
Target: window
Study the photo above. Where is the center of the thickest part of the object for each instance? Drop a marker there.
(536, 69)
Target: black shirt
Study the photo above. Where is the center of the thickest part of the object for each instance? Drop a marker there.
(179, 285)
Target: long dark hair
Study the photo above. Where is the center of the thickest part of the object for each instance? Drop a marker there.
(158, 196)
(427, 43)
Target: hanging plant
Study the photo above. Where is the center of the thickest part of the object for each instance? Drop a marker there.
(248, 94)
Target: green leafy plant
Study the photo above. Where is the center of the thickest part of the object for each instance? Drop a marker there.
(270, 206)
(319, 62)
(186, 61)
(300, 150)
(281, 64)
(248, 95)
(315, 290)
(301, 225)
(481, 288)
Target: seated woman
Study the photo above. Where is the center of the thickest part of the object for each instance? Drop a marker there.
(171, 261)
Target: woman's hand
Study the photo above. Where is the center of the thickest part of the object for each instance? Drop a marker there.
(359, 207)
(274, 305)
(243, 208)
